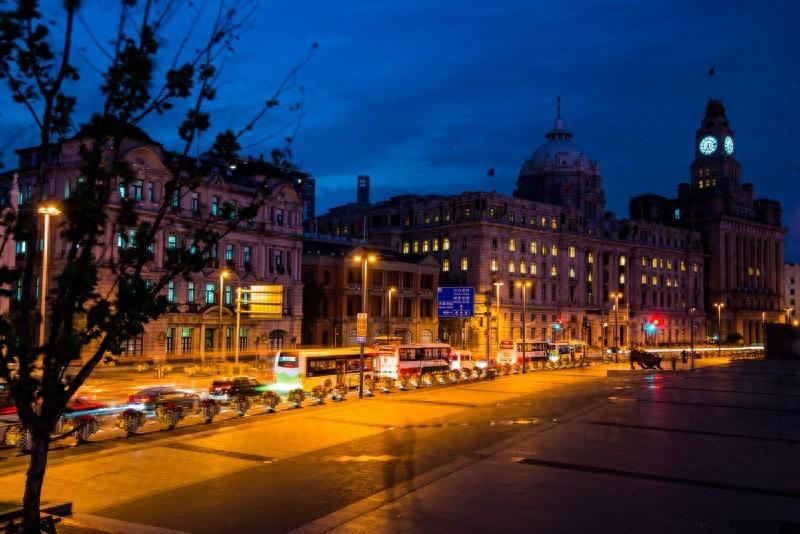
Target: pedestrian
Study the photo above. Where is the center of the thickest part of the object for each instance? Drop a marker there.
(674, 362)
(684, 356)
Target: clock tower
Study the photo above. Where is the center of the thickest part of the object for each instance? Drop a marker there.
(715, 165)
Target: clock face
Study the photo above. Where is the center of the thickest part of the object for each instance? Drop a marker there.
(729, 145)
(708, 145)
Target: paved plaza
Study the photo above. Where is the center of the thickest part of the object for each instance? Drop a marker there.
(598, 449)
(711, 451)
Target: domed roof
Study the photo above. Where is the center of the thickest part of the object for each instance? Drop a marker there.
(558, 151)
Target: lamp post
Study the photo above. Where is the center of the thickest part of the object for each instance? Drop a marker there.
(524, 286)
(497, 285)
(47, 211)
(691, 335)
(365, 261)
(389, 313)
(616, 296)
(224, 273)
(789, 314)
(719, 306)
(763, 329)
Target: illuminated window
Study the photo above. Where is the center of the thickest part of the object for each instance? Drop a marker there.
(544, 221)
(661, 263)
(171, 291)
(554, 223)
(644, 279)
(427, 218)
(554, 250)
(211, 291)
(467, 212)
(572, 271)
(511, 266)
(445, 243)
(464, 263)
(493, 264)
(654, 280)
(445, 265)
(553, 270)
(426, 246)
(511, 217)
(229, 252)
(190, 293)
(523, 268)
(512, 245)
(654, 263)
(669, 265)
(435, 245)
(406, 247)
(644, 261)
(544, 249)
(669, 282)
(683, 265)
(492, 213)
(622, 278)
(590, 258)
(447, 215)
(533, 247)
(622, 261)
(416, 247)
(695, 267)
(571, 251)
(677, 214)
(172, 241)
(533, 268)
(589, 277)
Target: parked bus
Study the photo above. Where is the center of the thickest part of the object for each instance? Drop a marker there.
(395, 361)
(512, 352)
(461, 359)
(307, 368)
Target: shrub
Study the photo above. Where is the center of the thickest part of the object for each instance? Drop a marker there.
(271, 400)
(131, 420)
(296, 397)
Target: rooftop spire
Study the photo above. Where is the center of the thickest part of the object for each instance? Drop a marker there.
(559, 120)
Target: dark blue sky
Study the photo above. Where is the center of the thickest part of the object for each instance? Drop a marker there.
(426, 96)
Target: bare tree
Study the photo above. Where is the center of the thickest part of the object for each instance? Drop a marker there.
(79, 315)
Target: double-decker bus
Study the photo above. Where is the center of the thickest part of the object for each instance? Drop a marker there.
(395, 361)
(307, 368)
(512, 352)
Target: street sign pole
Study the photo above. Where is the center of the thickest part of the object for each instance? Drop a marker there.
(361, 336)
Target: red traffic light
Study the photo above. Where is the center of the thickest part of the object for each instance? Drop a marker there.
(655, 322)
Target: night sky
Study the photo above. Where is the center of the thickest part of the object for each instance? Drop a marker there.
(426, 96)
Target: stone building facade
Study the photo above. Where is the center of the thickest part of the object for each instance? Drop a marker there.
(553, 239)
(265, 251)
(412, 279)
(9, 197)
(742, 235)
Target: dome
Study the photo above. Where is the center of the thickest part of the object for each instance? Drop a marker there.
(559, 152)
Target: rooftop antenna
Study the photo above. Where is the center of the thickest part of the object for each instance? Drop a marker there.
(559, 120)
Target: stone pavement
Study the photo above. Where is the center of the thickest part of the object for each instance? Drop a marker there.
(715, 450)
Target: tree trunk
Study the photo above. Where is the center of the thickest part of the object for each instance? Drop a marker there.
(34, 480)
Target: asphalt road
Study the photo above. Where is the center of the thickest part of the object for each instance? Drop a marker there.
(281, 495)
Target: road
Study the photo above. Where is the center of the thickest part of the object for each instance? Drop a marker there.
(273, 473)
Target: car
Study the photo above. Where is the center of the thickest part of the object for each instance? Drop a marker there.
(151, 398)
(223, 390)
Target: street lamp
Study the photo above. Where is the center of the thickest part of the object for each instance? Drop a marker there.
(719, 306)
(497, 285)
(365, 260)
(616, 296)
(389, 313)
(47, 211)
(691, 334)
(224, 273)
(524, 286)
(789, 314)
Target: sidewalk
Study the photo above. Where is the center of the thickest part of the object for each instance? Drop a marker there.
(713, 451)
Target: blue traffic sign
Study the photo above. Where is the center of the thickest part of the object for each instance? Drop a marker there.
(456, 301)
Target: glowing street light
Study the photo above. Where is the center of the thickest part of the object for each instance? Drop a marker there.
(616, 296)
(224, 273)
(719, 306)
(389, 292)
(365, 260)
(524, 286)
(47, 211)
(497, 284)
(789, 314)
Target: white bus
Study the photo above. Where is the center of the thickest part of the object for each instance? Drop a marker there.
(307, 368)
(395, 361)
(512, 352)
(571, 351)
